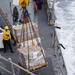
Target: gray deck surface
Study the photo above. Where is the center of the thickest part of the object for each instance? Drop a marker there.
(47, 41)
(2, 22)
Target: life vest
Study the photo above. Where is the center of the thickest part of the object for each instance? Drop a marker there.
(6, 35)
(23, 2)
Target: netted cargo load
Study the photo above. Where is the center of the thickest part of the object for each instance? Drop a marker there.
(31, 52)
(35, 59)
(26, 33)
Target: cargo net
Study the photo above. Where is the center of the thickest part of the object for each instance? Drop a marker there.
(32, 56)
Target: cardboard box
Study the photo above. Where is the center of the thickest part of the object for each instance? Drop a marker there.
(32, 42)
(35, 56)
(26, 34)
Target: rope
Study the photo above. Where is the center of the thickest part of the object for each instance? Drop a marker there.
(31, 33)
(36, 36)
(27, 45)
(26, 28)
(23, 35)
(37, 43)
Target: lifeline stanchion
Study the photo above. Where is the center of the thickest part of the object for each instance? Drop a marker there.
(12, 67)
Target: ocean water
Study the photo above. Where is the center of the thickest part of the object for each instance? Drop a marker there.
(65, 13)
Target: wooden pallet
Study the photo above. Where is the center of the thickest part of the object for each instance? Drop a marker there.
(35, 67)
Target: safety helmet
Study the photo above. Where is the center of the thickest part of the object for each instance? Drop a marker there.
(6, 27)
(23, 3)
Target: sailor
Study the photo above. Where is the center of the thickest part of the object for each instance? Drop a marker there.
(25, 14)
(35, 5)
(15, 16)
(6, 39)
